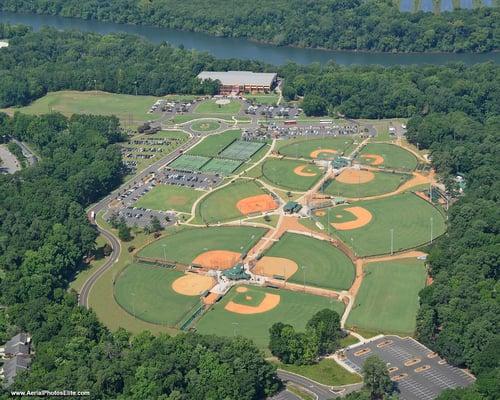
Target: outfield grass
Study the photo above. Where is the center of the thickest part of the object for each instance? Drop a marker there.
(389, 291)
(212, 145)
(125, 107)
(170, 197)
(184, 246)
(302, 147)
(295, 308)
(281, 173)
(210, 106)
(205, 125)
(145, 291)
(327, 372)
(220, 205)
(394, 156)
(325, 265)
(384, 182)
(406, 213)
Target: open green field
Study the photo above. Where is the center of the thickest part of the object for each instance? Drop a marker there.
(212, 145)
(294, 308)
(183, 118)
(394, 156)
(267, 99)
(169, 197)
(145, 291)
(325, 265)
(210, 106)
(126, 107)
(184, 246)
(406, 213)
(220, 205)
(281, 173)
(303, 147)
(384, 182)
(205, 125)
(390, 292)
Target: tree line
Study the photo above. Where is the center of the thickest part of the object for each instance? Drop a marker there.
(44, 239)
(375, 25)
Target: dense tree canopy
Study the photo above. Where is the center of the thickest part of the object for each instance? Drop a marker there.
(333, 24)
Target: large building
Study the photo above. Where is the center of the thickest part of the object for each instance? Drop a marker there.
(236, 82)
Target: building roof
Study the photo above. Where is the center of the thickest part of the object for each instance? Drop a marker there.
(233, 78)
(13, 366)
(18, 344)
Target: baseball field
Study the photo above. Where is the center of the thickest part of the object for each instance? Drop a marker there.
(353, 183)
(388, 156)
(239, 198)
(318, 262)
(147, 292)
(323, 148)
(390, 292)
(169, 197)
(291, 174)
(205, 245)
(365, 225)
(233, 314)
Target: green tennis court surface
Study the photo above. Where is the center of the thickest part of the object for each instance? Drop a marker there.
(241, 150)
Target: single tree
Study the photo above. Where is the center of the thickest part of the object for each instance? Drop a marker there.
(376, 378)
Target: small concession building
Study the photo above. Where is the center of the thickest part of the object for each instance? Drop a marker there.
(236, 82)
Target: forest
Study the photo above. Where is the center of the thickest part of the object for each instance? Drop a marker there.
(373, 25)
(453, 110)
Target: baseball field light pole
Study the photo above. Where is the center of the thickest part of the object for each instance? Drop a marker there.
(235, 324)
(392, 241)
(164, 253)
(304, 272)
(432, 229)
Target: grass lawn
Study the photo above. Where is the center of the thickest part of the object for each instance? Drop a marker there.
(390, 292)
(205, 125)
(273, 220)
(146, 291)
(180, 119)
(210, 106)
(126, 107)
(220, 205)
(327, 372)
(170, 197)
(406, 213)
(384, 182)
(295, 308)
(281, 173)
(184, 246)
(212, 145)
(394, 156)
(326, 266)
(303, 147)
(267, 99)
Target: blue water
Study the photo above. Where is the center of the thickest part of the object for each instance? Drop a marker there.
(446, 5)
(406, 5)
(426, 5)
(467, 4)
(488, 3)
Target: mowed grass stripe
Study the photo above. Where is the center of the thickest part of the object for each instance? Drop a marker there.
(146, 292)
(185, 246)
(388, 298)
(169, 197)
(325, 265)
(220, 205)
(295, 308)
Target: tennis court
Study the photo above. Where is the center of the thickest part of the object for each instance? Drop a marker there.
(241, 150)
(222, 166)
(187, 162)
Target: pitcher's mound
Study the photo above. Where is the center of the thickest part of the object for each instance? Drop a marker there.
(255, 204)
(323, 153)
(273, 266)
(363, 217)
(269, 302)
(374, 159)
(241, 289)
(217, 259)
(301, 170)
(192, 284)
(354, 176)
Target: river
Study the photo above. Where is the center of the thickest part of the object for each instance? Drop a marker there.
(245, 49)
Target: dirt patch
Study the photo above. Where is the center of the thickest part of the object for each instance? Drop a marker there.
(300, 171)
(374, 159)
(241, 289)
(217, 259)
(363, 217)
(269, 302)
(272, 266)
(193, 284)
(320, 213)
(355, 176)
(317, 153)
(248, 297)
(255, 204)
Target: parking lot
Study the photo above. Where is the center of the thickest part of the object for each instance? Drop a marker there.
(418, 373)
(281, 131)
(141, 217)
(196, 180)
